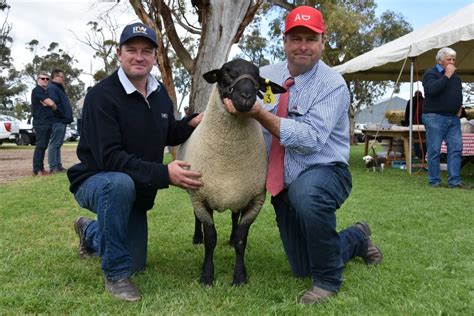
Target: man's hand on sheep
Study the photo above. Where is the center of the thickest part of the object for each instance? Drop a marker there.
(268, 120)
(196, 120)
(181, 177)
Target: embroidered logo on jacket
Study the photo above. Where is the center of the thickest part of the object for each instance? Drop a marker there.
(164, 115)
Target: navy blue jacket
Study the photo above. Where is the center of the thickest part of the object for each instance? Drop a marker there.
(42, 115)
(443, 95)
(63, 114)
(124, 133)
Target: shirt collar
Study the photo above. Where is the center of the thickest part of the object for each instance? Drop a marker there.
(151, 84)
(301, 77)
(440, 69)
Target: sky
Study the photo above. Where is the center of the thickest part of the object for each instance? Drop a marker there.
(63, 21)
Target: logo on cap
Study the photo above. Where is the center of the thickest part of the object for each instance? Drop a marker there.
(139, 29)
(303, 17)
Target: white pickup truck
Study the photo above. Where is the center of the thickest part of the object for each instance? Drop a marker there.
(9, 128)
(27, 134)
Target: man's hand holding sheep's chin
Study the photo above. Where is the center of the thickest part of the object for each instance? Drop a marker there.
(253, 113)
(182, 177)
(196, 120)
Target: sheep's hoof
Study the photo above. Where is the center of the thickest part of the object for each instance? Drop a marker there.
(239, 278)
(206, 280)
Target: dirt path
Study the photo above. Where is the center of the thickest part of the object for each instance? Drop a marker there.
(16, 162)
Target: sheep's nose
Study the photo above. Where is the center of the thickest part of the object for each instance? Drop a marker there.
(245, 95)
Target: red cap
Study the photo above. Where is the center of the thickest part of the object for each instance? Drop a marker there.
(305, 16)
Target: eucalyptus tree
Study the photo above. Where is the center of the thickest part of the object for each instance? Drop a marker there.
(10, 81)
(102, 38)
(54, 57)
(218, 24)
(352, 29)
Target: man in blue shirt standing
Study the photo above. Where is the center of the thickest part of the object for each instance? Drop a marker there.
(315, 180)
(443, 100)
(62, 117)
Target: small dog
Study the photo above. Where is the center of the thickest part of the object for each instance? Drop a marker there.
(374, 164)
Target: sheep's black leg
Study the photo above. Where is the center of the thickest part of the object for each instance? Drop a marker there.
(197, 237)
(210, 241)
(235, 223)
(240, 243)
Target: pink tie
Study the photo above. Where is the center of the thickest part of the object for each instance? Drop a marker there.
(275, 174)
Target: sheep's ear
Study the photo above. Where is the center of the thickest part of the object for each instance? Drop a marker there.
(212, 76)
(264, 83)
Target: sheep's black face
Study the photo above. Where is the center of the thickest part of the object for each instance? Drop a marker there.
(239, 82)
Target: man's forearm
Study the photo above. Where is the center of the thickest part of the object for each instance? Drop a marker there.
(49, 102)
(270, 121)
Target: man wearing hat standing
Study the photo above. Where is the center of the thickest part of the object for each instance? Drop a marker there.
(307, 137)
(127, 122)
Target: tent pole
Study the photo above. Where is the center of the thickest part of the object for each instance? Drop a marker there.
(410, 132)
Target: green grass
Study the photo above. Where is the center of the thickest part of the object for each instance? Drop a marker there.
(426, 235)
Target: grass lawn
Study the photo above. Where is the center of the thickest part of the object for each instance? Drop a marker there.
(426, 234)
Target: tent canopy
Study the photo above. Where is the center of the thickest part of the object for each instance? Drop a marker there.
(385, 62)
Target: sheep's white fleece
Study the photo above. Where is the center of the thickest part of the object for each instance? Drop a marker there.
(230, 153)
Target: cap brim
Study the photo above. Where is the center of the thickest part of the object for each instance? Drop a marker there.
(142, 36)
(312, 28)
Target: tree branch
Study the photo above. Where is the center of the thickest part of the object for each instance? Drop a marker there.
(247, 19)
(172, 35)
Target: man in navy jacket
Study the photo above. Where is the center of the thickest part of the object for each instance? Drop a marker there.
(443, 100)
(62, 117)
(42, 109)
(127, 122)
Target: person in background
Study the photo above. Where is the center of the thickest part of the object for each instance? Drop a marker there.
(62, 117)
(417, 109)
(127, 122)
(42, 109)
(443, 100)
(417, 112)
(308, 175)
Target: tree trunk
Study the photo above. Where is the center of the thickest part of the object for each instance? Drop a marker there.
(222, 24)
(219, 28)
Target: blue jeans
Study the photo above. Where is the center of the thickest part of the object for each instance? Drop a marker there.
(42, 138)
(119, 235)
(306, 218)
(55, 142)
(448, 128)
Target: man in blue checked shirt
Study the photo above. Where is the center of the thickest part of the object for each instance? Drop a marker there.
(316, 180)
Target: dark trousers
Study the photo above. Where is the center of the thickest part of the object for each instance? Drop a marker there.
(306, 217)
(43, 134)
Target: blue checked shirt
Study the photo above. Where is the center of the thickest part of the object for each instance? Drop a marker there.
(316, 130)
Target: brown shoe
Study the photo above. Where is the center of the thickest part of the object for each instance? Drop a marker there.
(80, 225)
(316, 295)
(462, 185)
(374, 255)
(41, 173)
(123, 289)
